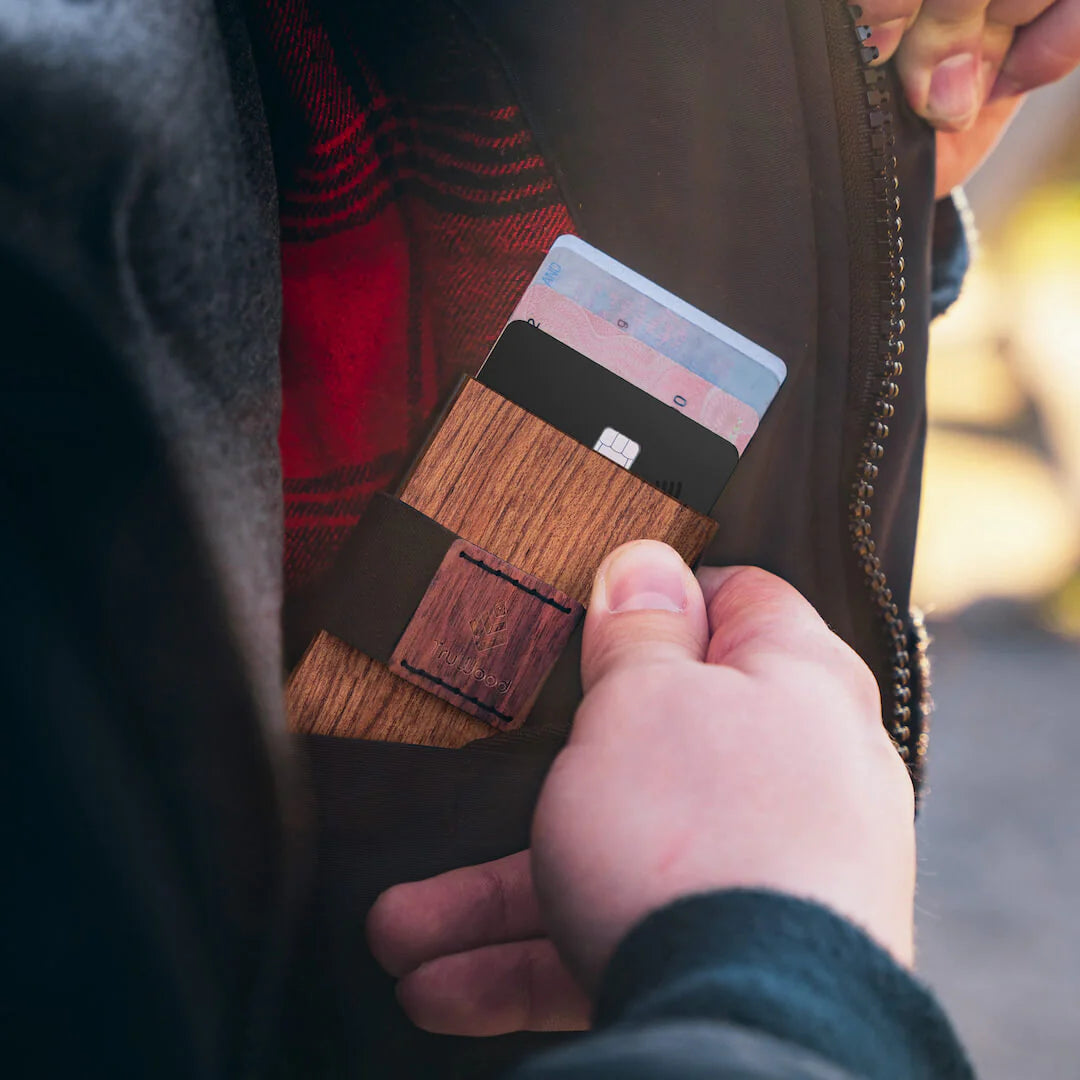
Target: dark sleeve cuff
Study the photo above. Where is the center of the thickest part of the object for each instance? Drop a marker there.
(788, 968)
(954, 237)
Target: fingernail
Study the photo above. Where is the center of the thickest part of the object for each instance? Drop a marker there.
(954, 89)
(646, 576)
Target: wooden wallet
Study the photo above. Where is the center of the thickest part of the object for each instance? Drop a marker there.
(460, 608)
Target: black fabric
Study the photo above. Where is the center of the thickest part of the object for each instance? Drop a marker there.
(386, 567)
(149, 822)
(553, 710)
(388, 813)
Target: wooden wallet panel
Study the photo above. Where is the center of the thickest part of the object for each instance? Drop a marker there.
(522, 490)
(485, 636)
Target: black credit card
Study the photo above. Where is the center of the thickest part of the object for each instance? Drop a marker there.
(567, 390)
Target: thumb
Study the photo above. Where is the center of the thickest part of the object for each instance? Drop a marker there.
(646, 606)
(1044, 50)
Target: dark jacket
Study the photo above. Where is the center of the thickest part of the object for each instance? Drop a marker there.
(189, 888)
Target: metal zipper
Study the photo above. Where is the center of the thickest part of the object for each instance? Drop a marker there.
(888, 337)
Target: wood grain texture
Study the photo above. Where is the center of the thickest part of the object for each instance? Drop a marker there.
(485, 636)
(522, 490)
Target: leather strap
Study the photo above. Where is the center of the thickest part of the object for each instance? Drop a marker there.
(390, 559)
(407, 599)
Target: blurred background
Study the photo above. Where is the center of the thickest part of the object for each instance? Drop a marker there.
(998, 574)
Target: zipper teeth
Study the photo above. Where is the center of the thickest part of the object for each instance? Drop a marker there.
(889, 342)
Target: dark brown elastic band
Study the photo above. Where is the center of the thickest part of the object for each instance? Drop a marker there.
(389, 561)
(456, 620)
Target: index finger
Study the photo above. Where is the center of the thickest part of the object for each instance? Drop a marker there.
(1044, 51)
(461, 910)
(757, 619)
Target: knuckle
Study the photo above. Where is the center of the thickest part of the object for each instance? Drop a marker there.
(631, 687)
(631, 699)
(866, 690)
(858, 680)
(753, 578)
(850, 677)
(750, 592)
(495, 899)
(642, 639)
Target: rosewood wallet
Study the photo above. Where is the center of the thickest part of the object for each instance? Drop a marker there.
(460, 609)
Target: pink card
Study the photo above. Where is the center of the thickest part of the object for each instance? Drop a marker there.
(638, 363)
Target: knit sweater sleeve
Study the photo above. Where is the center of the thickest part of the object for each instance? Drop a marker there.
(954, 237)
(755, 984)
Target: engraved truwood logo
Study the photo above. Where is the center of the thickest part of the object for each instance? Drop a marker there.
(489, 631)
(485, 635)
(442, 653)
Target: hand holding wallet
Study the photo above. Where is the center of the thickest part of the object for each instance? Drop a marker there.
(461, 596)
(680, 777)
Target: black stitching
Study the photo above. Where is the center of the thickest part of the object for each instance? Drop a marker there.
(513, 581)
(460, 693)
